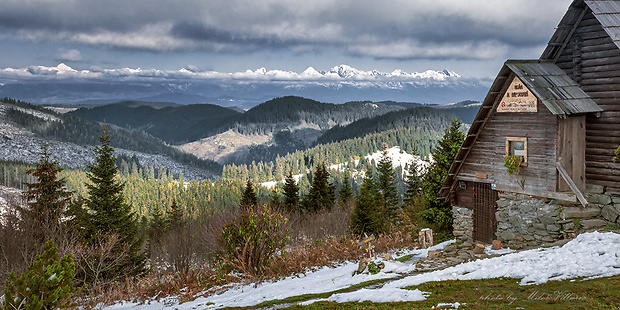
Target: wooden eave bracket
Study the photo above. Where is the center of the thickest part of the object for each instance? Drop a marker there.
(571, 184)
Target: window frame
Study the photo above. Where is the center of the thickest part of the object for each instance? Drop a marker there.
(517, 139)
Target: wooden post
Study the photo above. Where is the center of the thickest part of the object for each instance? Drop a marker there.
(425, 238)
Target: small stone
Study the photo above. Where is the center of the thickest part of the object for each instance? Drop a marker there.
(600, 199)
(479, 249)
(568, 226)
(553, 227)
(496, 245)
(593, 223)
(547, 239)
(610, 213)
(528, 237)
(540, 226)
(466, 245)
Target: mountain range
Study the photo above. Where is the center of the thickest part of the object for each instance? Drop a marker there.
(65, 85)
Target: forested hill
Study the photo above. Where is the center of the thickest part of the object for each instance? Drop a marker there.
(181, 124)
(279, 113)
(425, 118)
(34, 124)
(172, 124)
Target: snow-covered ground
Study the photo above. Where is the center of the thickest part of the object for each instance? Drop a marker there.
(590, 255)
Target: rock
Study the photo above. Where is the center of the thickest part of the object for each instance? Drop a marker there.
(593, 223)
(610, 213)
(552, 227)
(479, 249)
(528, 237)
(450, 248)
(600, 199)
(547, 239)
(362, 265)
(466, 245)
(575, 212)
(496, 245)
(434, 253)
(568, 226)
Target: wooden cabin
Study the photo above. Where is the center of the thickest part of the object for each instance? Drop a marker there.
(558, 116)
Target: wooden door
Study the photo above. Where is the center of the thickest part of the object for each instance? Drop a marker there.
(485, 224)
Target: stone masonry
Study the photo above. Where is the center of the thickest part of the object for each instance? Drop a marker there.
(525, 221)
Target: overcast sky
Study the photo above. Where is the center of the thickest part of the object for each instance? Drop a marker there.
(472, 38)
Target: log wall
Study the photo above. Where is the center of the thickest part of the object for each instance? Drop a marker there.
(593, 60)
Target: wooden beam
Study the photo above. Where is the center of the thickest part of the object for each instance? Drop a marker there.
(570, 34)
(571, 184)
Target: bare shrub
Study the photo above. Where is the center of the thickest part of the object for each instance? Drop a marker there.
(253, 238)
(320, 225)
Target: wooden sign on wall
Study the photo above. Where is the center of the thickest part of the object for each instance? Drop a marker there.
(518, 98)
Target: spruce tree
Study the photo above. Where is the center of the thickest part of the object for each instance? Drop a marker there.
(440, 211)
(413, 183)
(274, 200)
(322, 194)
(291, 193)
(346, 192)
(47, 199)
(107, 213)
(367, 216)
(174, 215)
(157, 226)
(248, 198)
(387, 186)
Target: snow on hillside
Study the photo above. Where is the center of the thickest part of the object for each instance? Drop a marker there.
(399, 159)
(590, 255)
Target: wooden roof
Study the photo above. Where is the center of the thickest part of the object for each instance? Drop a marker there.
(558, 92)
(607, 12)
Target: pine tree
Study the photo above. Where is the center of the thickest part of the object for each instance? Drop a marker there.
(322, 194)
(291, 193)
(248, 198)
(46, 284)
(366, 217)
(387, 186)
(108, 214)
(346, 192)
(47, 198)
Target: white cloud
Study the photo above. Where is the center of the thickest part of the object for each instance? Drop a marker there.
(337, 74)
(69, 55)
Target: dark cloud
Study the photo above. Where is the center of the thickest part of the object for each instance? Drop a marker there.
(203, 33)
(377, 29)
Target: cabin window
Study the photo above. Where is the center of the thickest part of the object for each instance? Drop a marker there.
(517, 146)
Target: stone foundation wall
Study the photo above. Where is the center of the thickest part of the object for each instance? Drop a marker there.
(526, 221)
(523, 220)
(463, 224)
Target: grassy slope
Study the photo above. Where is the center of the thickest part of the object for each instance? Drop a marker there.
(501, 293)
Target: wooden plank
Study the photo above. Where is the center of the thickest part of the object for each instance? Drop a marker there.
(571, 184)
(601, 61)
